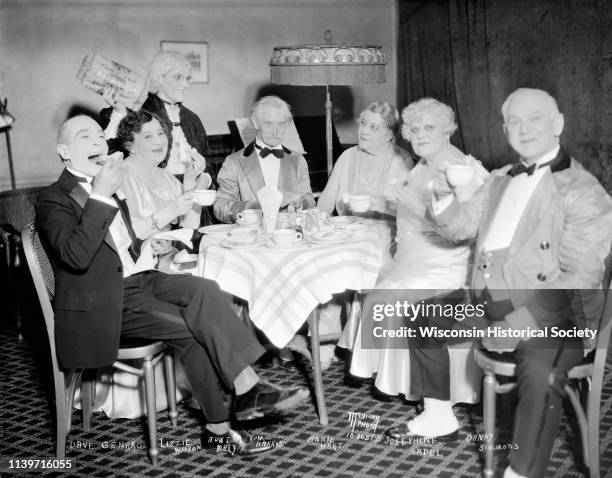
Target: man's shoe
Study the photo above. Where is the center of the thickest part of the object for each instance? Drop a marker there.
(267, 399)
(401, 432)
(236, 442)
(287, 364)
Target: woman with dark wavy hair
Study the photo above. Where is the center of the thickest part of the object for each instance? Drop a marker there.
(155, 198)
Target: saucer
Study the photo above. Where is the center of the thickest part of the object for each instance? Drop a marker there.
(336, 238)
(256, 243)
(272, 245)
(216, 228)
(248, 224)
(244, 230)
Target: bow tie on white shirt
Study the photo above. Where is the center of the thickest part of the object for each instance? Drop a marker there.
(265, 151)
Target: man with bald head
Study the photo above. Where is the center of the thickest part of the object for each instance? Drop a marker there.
(100, 296)
(543, 228)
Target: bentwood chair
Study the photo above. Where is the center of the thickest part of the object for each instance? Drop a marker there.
(66, 381)
(583, 389)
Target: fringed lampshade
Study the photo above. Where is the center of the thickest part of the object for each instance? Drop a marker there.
(318, 65)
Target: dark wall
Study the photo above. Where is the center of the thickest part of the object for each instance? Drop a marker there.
(472, 53)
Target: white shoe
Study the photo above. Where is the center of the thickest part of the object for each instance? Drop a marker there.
(510, 473)
(436, 420)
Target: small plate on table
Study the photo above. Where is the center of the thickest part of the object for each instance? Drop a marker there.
(337, 237)
(258, 241)
(216, 229)
(243, 223)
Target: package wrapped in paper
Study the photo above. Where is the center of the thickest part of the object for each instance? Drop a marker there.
(127, 86)
(270, 200)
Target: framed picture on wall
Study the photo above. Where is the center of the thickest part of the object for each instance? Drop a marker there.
(196, 53)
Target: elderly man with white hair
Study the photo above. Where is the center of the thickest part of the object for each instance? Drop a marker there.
(543, 228)
(264, 162)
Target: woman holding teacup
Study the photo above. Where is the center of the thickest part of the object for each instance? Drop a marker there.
(155, 198)
(360, 176)
(424, 261)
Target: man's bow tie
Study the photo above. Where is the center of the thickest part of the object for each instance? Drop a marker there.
(519, 168)
(264, 152)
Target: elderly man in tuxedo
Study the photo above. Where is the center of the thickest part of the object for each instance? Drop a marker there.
(264, 162)
(543, 229)
(100, 297)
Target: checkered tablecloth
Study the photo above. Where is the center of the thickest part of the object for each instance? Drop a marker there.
(283, 287)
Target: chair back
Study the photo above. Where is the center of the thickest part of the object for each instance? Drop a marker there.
(44, 282)
(603, 336)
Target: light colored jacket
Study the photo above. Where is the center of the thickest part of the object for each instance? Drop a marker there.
(240, 178)
(560, 243)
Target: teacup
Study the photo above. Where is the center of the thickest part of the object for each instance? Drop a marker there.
(249, 216)
(204, 197)
(286, 237)
(459, 175)
(359, 203)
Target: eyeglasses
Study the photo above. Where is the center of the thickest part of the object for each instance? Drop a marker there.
(179, 77)
(374, 127)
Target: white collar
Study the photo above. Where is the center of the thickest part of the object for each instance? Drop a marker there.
(547, 157)
(262, 145)
(78, 174)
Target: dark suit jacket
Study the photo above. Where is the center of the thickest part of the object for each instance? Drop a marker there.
(88, 273)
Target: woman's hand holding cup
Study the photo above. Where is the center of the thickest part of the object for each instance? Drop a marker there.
(183, 204)
(441, 186)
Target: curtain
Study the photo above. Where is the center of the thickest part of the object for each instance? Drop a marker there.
(471, 54)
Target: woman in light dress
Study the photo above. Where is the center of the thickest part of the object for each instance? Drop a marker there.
(365, 169)
(423, 260)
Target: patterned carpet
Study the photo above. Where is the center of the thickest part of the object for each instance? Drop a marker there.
(118, 447)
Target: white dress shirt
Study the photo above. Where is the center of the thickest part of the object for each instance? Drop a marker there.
(180, 156)
(513, 204)
(270, 165)
(118, 230)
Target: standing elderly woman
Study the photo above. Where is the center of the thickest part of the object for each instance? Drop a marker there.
(169, 78)
(366, 169)
(424, 261)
